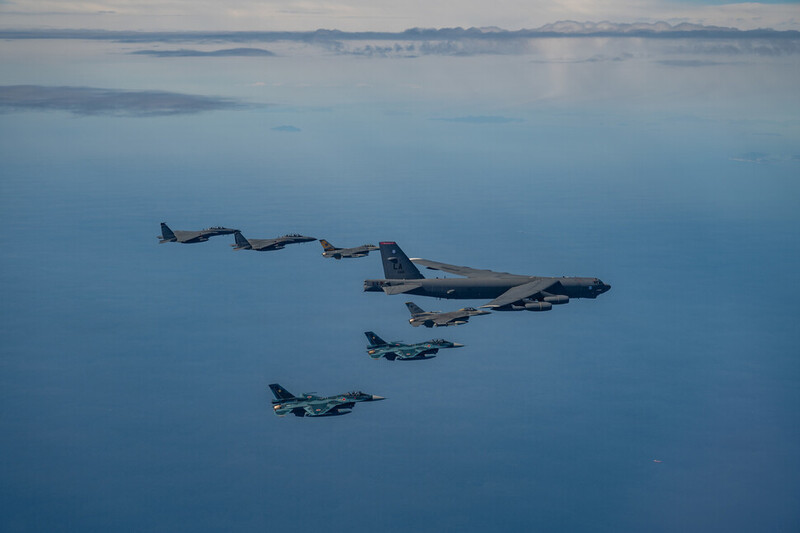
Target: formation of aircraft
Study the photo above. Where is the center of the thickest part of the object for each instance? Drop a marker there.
(307, 404)
(431, 319)
(260, 245)
(510, 292)
(265, 245)
(330, 250)
(190, 237)
(378, 348)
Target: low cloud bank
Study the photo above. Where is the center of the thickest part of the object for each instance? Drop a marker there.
(92, 101)
(480, 119)
(229, 52)
(557, 29)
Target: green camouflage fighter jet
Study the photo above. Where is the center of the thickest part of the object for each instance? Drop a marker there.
(309, 405)
(397, 350)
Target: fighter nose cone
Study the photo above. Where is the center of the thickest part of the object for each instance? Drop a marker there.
(457, 345)
(376, 398)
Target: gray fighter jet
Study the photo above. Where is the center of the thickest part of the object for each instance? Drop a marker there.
(265, 245)
(511, 292)
(189, 237)
(405, 352)
(309, 405)
(330, 250)
(431, 319)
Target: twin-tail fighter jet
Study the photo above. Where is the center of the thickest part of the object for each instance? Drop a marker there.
(330, 250)
(265, 245)
(510, 292)
(378, 348)
(431, 319)
(308, 404)
(190, 237)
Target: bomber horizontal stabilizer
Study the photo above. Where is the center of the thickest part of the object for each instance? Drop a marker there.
(400, 288)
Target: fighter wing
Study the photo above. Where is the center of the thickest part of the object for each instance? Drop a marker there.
(182, 235)
(526, 290)
(460, 270)
(319, 409)
(267, 244)
(445, 319)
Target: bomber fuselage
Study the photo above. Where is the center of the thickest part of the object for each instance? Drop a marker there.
(483, 288)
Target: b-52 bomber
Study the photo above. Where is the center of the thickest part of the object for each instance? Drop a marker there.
(265, 245)
(405, 352)
(330, 250)
(431, 319)
(510, 292)
(308, 404)
(190, 237)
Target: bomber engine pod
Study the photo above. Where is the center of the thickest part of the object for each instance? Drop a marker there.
(538, 306)
(557, 299)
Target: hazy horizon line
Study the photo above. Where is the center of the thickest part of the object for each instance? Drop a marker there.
(561, 29)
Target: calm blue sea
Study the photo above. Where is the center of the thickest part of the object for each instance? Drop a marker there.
(133, 375)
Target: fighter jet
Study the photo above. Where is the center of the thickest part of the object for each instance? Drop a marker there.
(264, 245)
(337, 253)
(511, 292)
(405, 352)
(308, 404)
(189, 237)
(438, 319)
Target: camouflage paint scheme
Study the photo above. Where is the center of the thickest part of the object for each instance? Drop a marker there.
(378, 348)
(308, 404)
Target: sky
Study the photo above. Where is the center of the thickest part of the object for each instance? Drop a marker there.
(384, 15)
(662, 158)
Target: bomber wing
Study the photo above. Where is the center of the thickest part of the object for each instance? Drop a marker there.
(461, 270)
(526, 290)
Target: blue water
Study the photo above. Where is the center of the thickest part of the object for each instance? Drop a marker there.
(133, 375)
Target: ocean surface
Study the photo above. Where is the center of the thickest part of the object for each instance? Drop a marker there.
(133, 375)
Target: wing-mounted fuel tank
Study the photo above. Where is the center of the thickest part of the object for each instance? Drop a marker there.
(538, 306)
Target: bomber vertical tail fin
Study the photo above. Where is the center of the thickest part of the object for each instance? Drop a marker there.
(414, 309)
(374, 340)
(281, 393)
(241, 242)
(166, 234)
(328, 247)
(396, 264)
